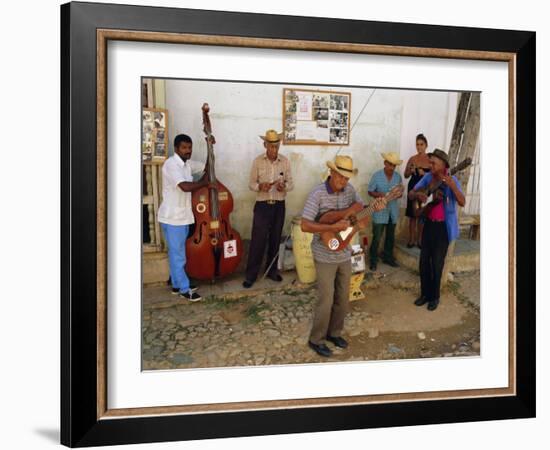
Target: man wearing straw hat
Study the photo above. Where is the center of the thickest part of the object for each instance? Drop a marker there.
(333, 267)
(380, 184)
(271, 178)
(440, 227)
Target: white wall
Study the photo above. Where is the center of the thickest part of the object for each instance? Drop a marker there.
(242, 111)
(431, 113)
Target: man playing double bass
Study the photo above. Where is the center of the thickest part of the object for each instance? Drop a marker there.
(271, 178)
(175, 213)
(440, 227)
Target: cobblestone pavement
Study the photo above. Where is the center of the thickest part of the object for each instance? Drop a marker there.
(273, 327)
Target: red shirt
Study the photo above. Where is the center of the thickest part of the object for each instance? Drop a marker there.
(437, 214)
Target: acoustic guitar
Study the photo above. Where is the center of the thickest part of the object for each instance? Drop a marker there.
(356, 214)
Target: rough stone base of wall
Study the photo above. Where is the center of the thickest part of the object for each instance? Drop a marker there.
(155, 268)
(462, 262)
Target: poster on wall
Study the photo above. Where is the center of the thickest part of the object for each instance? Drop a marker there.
(154, 141)
(316, 117)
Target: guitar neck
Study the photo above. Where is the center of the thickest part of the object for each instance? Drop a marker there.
(368, 210)
(365, 212)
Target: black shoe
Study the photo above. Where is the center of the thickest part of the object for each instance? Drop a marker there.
(432, 306)
(192, 288)
(191, 296)
(410, 245)
(372, 266)
(421, 301)
(275, 277)
(320, 349)
(338, 341)
(392, 262)
(247, 284)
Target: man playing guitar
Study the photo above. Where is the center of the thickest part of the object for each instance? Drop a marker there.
(333, 266)
(441, 226)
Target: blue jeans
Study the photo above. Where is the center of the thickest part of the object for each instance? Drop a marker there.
(176, 236)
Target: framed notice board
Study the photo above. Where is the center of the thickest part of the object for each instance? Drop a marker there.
(316, 117)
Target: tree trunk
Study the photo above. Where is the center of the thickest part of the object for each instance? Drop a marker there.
(469, 141)
(458, 129)
(463, 145)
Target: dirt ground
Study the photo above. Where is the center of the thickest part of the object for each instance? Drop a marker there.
(272, 327)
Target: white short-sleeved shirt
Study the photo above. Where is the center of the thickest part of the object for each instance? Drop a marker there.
(176, 207)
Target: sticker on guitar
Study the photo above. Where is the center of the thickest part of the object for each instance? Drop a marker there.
(344, 234)
(333, 244)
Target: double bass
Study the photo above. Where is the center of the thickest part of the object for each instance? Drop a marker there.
(215, 248)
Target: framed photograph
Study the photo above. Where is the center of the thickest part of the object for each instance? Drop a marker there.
(140, 364)
(306, 115)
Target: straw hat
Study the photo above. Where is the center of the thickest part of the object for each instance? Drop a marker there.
(272, 136)
(343, 165)
(392, 158)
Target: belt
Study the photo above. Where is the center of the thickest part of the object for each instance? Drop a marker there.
(435, 221)
(271, 202)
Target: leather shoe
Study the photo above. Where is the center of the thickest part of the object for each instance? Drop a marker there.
(433, 305)
(372, 266)
(247, 284)
(392, 262)
(338, 341)
(421, 301)
(320, 349)
(275, 277)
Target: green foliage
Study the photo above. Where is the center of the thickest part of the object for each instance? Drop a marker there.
(253, 312)
(455, 287)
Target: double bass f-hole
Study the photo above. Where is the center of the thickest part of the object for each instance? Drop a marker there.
(197, 236)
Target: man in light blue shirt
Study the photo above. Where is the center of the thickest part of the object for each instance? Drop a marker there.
(380, 184)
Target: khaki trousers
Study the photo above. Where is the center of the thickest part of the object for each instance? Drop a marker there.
(333, 300)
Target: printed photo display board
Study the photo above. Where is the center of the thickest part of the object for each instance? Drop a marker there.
(316, 117)
(154, 144)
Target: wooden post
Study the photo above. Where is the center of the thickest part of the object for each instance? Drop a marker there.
(156, 202)
(150, 206)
